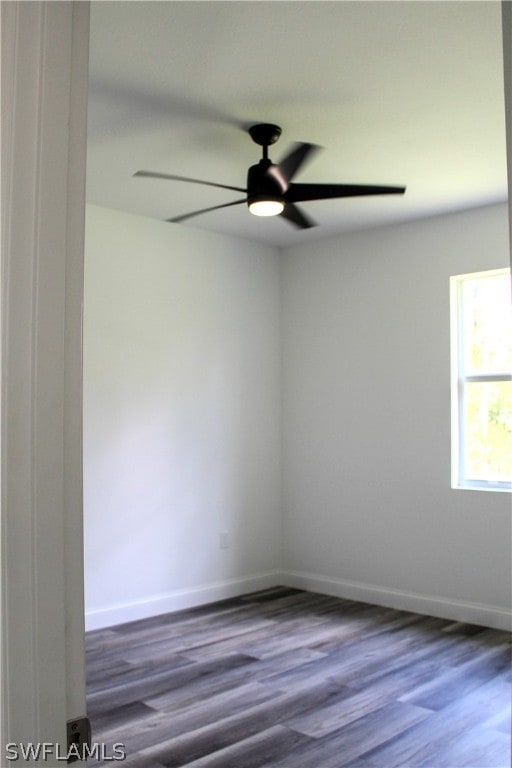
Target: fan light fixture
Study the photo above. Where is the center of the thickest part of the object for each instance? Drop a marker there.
(266, 207)
(270, 190)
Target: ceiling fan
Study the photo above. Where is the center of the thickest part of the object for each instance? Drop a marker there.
(270, 190)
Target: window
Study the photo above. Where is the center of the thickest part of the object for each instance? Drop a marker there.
(481, 327)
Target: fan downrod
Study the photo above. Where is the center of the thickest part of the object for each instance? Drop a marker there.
(264, 134)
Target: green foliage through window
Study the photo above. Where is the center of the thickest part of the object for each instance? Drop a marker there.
(482, 380)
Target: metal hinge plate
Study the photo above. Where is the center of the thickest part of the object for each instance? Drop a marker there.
(79, 735)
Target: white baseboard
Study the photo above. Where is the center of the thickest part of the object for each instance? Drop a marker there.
(179, 599)
(457, 610)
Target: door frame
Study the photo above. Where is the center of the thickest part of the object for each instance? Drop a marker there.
(506, 25)
(44, 124)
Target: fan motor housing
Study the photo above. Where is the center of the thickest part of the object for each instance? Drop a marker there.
(262, 185)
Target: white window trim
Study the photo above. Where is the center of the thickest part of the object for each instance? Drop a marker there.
(458, 380)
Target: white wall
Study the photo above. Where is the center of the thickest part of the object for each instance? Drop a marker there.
(368, 508)
(199, 348)
(181, 416)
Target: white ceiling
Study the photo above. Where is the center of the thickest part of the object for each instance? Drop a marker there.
(396, 93)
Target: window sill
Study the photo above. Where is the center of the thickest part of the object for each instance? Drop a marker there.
(480, 487)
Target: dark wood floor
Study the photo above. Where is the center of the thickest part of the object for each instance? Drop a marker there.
(290, 679)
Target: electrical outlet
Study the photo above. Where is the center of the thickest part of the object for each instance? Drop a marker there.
(224, 539)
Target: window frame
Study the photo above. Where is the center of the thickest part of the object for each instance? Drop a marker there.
(459, 379)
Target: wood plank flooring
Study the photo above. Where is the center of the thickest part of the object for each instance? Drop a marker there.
(290, 679)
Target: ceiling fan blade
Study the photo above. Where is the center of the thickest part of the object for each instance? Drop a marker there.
(299, 192)
(298, 218)
(290, 164)
(154, 175)
(175, 219)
